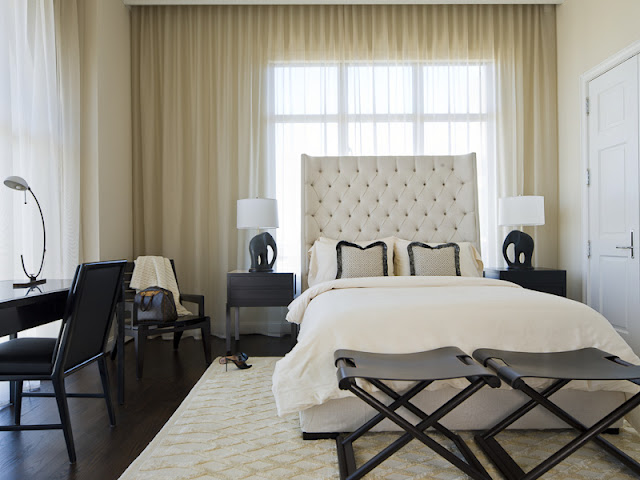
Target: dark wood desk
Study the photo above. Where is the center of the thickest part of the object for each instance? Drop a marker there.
(24, 308)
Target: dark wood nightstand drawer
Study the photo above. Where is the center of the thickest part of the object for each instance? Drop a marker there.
(260, 298)
(555, 289)
(248, 281)
(260, 289)
(545, 280)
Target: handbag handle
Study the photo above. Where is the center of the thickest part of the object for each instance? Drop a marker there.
(145, 306)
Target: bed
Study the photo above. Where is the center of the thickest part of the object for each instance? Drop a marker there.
(429, 199)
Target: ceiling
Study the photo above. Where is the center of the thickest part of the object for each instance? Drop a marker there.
(329, 2)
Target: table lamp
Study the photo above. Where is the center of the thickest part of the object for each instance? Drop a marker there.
(523, 211)
(21, 185)
(259, 213)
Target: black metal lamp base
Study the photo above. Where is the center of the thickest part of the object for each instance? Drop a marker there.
(523, 248)
(32, 283)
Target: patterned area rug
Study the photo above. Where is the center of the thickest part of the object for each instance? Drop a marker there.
(227, 428)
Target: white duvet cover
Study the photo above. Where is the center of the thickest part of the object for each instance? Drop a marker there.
(410, 314)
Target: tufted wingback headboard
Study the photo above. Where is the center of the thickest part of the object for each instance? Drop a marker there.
(426, 198)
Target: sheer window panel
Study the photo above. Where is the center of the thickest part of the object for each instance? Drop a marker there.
(477, 134)
(455, 89)
(474, 90)
(306, 90)
(463, 136)
(380, 89)
(436, 89)
(436, 138)
(380, 138)
(291, 141)
(482, 141)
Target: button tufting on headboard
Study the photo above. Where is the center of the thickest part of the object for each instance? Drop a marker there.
(427, 198)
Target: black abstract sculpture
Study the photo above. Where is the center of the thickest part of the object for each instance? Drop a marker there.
(259, 251)
(523, 248)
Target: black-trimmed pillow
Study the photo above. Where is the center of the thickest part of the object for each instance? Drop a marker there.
(355, 261)
(441, 260)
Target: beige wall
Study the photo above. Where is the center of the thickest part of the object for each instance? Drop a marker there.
(589, 32)
(89, 213)
(107, 209)
(115, 147)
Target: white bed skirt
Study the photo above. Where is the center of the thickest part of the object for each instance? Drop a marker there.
(480, 412)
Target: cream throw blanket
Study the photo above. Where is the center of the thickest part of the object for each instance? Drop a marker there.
(151, 271)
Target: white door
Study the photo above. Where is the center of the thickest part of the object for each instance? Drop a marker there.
(614, 207)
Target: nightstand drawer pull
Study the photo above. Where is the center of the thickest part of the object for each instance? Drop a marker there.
(628, 247)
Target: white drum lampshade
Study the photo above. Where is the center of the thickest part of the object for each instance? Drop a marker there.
(257, 213)
(526, 211)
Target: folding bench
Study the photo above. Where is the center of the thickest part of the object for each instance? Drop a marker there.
(584, 364)
(423, 368)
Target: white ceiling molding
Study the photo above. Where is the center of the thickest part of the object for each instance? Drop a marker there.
(332, 2)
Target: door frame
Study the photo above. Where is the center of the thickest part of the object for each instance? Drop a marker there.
(591, 74)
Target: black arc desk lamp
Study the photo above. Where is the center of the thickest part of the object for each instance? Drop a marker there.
(21, 185)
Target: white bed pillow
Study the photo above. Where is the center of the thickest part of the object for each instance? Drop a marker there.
(470, 262)
(323, 261)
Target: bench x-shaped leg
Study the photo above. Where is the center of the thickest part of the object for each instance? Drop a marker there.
(346, 458)
(512, 470)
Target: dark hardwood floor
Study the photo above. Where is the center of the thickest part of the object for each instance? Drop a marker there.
(104, 452)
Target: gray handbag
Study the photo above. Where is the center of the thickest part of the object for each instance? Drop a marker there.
(156, 304)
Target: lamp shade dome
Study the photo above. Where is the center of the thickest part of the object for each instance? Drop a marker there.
(16, 183)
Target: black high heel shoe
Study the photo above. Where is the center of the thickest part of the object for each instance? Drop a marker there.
(241, 355)
(239, 360)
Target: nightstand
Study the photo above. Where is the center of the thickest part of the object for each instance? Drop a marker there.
(546, 280)
(257, 289)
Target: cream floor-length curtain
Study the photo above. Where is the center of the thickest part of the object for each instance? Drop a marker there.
(208, 88)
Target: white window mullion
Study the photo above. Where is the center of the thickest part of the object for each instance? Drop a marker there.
(343, 110)
(418, 113)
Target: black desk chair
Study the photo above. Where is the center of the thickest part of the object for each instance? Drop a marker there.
(140, 330)
(83, 339)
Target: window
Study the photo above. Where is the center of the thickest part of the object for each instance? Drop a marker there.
(375, 109)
